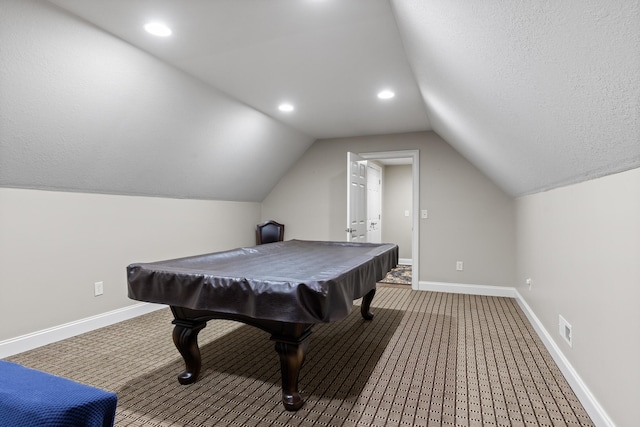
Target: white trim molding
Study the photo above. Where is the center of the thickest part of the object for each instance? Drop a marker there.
(57, 333)
(405, 261)
(584, 395)
(460, 288)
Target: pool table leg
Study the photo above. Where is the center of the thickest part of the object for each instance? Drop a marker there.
(185, 337)
(292, 354)
(365, 308)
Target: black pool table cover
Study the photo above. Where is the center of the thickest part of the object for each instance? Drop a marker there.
(293, 281)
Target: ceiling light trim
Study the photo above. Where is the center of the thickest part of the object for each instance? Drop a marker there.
(386, 94)
(286, 107)
(158, 29)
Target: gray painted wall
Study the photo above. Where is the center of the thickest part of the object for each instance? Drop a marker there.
(82, 111)
(470, 218)
(397, 198)
(55, 245)
(580, 245)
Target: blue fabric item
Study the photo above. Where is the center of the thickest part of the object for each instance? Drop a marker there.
(37, 399)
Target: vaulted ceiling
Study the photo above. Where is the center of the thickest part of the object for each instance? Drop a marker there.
(536, 94)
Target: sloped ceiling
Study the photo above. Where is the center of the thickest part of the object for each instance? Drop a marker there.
(536, 94)
(329, 58)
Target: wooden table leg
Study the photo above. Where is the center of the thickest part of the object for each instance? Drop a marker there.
(185, 337)
(365, 308)
(291, 345)
(292, 356)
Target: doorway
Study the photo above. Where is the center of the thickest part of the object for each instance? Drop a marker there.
(411, 157)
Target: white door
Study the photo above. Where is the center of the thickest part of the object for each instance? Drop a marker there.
(374, 203)
(356, 198)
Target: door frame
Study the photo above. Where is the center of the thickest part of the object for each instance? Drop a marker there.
(378, 168)
(414, 155)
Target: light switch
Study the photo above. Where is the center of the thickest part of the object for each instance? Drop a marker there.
(406, 213)
(424, 214)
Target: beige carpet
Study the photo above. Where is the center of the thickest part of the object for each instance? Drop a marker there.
(427, 359)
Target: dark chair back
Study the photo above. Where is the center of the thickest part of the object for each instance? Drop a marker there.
(269, 232)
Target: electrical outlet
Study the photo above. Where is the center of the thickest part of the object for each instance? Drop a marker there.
(98, 288)
(459, 265)
(424, 214)
(565, 330)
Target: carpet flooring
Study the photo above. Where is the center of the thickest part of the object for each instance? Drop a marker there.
(426, 359)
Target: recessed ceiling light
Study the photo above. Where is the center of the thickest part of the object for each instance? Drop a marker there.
(286, 107)
(386, 94)
(158, 29)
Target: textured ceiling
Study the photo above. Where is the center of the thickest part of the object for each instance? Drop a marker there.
(536, 94)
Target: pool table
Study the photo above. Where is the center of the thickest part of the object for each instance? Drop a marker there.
(283, 288)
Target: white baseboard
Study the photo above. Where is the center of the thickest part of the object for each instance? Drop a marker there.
(460, 288)
(591, 405)
(405, 261)
(47, 336)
